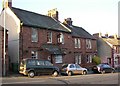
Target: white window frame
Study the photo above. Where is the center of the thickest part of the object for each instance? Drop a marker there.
(58, 59)
(88, 44)
(61, 38)
(49, 37)
(34, 35)
(89, 58)
(77, 58)
(77, 43)
(35, 56)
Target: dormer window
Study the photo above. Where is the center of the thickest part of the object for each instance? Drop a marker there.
(49, 37)
(61, 38)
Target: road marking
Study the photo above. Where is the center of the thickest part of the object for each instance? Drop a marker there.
(23, 82)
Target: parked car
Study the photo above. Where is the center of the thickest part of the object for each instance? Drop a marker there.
(103, 68)
(32, 67)
(71, 69)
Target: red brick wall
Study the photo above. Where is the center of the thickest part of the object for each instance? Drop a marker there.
(26, 45)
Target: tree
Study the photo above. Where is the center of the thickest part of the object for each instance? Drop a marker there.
(96, 60)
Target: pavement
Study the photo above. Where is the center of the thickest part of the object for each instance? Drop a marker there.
(12, 74)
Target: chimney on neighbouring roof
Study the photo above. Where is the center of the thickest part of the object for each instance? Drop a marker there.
(106, 35)
(7, 3)
(68, 21)
(97, 35)
(115, 36)
(53, 13)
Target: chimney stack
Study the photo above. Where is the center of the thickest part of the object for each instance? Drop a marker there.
(53, 13)
(7, 3)
(68, 21)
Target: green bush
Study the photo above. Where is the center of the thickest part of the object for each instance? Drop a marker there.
(96, 60)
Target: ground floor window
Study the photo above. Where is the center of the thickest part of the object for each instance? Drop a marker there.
(58, 59)
(77, 58)
(89, 58)
(109, 60)
(34, 54)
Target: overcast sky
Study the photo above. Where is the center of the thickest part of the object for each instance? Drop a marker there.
(93, 15)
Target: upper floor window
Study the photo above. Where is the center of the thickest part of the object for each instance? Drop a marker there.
(34, 54)
(34, 35)
(88, 44)
(77, 43)
(49, 37)
(61, 38)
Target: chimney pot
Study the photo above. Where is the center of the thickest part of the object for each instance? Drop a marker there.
(68, 21)
(7, 3)
(53, 13)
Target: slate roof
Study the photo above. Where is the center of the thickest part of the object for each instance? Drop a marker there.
(33, 19)
(80, 32)
(112, 41)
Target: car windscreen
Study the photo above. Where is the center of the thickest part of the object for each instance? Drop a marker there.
(22, 63)
(31, 62)
(64, 66)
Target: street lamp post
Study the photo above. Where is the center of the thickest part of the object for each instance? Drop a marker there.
(4, 52)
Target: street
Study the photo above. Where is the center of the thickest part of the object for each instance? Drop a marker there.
(109, 78)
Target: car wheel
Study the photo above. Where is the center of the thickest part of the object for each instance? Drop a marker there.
(112, 71)
(84, 72)
(55, 73)
(31, 74)
(103, 72)
(69, 73)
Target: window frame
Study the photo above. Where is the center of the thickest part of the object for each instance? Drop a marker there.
(35, 54)
(77, 43)
(34, 35)
(49, 37)
(58, 59)
(78, 59)
(60, 38)
(88, 44)
(89, 58)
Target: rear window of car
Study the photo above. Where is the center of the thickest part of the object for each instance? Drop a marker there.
(106, 66)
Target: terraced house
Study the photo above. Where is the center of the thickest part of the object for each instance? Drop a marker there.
(84, 44)
(32, 35)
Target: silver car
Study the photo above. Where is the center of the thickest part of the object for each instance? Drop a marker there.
(71, 69)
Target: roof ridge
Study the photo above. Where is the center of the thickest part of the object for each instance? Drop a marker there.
(29, 11)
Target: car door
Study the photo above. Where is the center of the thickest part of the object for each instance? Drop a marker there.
(78, 69)
(48, 68)
(40, 67)
(72, 68)
(107, 68)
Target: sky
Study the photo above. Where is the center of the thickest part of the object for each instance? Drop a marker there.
(95, 16)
